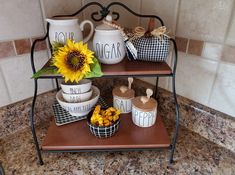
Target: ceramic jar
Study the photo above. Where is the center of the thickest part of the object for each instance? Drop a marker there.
(108, 44)
(144, 111)
(122, 99)
(63, 28)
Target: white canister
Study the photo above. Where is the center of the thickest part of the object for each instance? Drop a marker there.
(144, 114)
(108, 44)
(122, 99)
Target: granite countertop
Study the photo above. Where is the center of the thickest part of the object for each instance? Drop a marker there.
(194, 155)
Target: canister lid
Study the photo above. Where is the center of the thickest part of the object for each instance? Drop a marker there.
(148, 106)
(124, 92)
(105, 26)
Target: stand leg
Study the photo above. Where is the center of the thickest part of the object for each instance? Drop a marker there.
(177, 121)
(1, 170)
(156, 88)
(32, 122)
(57, 84)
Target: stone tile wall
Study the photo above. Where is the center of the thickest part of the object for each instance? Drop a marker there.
(203, 29)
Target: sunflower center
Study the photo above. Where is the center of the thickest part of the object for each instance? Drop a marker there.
(75, 60)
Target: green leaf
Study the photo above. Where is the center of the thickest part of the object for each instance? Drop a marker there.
(95, 70)
(45, 71)
(56, 46)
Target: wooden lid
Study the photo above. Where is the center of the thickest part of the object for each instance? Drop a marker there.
(148, 106)
(123, 92)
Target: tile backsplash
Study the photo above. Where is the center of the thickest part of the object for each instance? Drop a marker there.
(20, 19)
(204, 19)
(7, 49)
(203, 29)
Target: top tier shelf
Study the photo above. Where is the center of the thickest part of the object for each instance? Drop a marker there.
(129, 68)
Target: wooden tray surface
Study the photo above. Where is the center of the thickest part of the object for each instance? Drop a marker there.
(77, 136)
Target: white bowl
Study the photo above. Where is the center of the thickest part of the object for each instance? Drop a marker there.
(82, 108)
(74, 98)
(82, 86)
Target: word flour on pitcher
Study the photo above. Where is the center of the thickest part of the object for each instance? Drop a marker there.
(62, 37)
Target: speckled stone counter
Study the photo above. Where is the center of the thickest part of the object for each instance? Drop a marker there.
(194, 154)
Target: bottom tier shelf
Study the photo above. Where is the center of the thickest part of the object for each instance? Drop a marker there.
(76, 136)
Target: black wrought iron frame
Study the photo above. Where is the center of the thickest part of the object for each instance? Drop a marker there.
(102, 14)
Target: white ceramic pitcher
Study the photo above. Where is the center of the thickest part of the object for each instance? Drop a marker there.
(63, 28)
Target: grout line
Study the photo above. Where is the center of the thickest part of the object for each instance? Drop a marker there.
(43, 12)
(177, 15)
(83, 12)
(14, 46)
(6, 86)
(31, 41)
(203, 47)
(187, 47)
(213, 83)
(175, 28)
(41, 4)
(139, 20)
(229, 22)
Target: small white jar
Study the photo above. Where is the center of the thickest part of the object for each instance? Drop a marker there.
(144, 114)
(122, 99)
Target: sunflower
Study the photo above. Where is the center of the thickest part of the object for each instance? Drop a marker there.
(73, 60)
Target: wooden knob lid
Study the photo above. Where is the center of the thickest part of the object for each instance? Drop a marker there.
(145, 103)
(124, 92)
(147, 106)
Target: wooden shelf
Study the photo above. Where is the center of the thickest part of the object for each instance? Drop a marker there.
(133, 68)
(76, 136)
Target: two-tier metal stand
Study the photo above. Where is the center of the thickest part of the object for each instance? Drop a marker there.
(129, 137)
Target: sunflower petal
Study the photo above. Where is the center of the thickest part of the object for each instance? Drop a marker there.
(90, 64)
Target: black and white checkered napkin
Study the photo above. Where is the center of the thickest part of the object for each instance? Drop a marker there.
(63, 117)
(152, 48)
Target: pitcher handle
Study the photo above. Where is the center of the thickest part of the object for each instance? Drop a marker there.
(91, 31)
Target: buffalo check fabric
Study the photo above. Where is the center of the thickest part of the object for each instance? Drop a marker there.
(152, 48)
(63, 117)
(104, 132)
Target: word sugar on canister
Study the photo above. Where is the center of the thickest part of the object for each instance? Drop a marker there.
(108, 43)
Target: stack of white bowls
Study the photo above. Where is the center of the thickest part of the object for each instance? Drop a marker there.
(78, 98)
